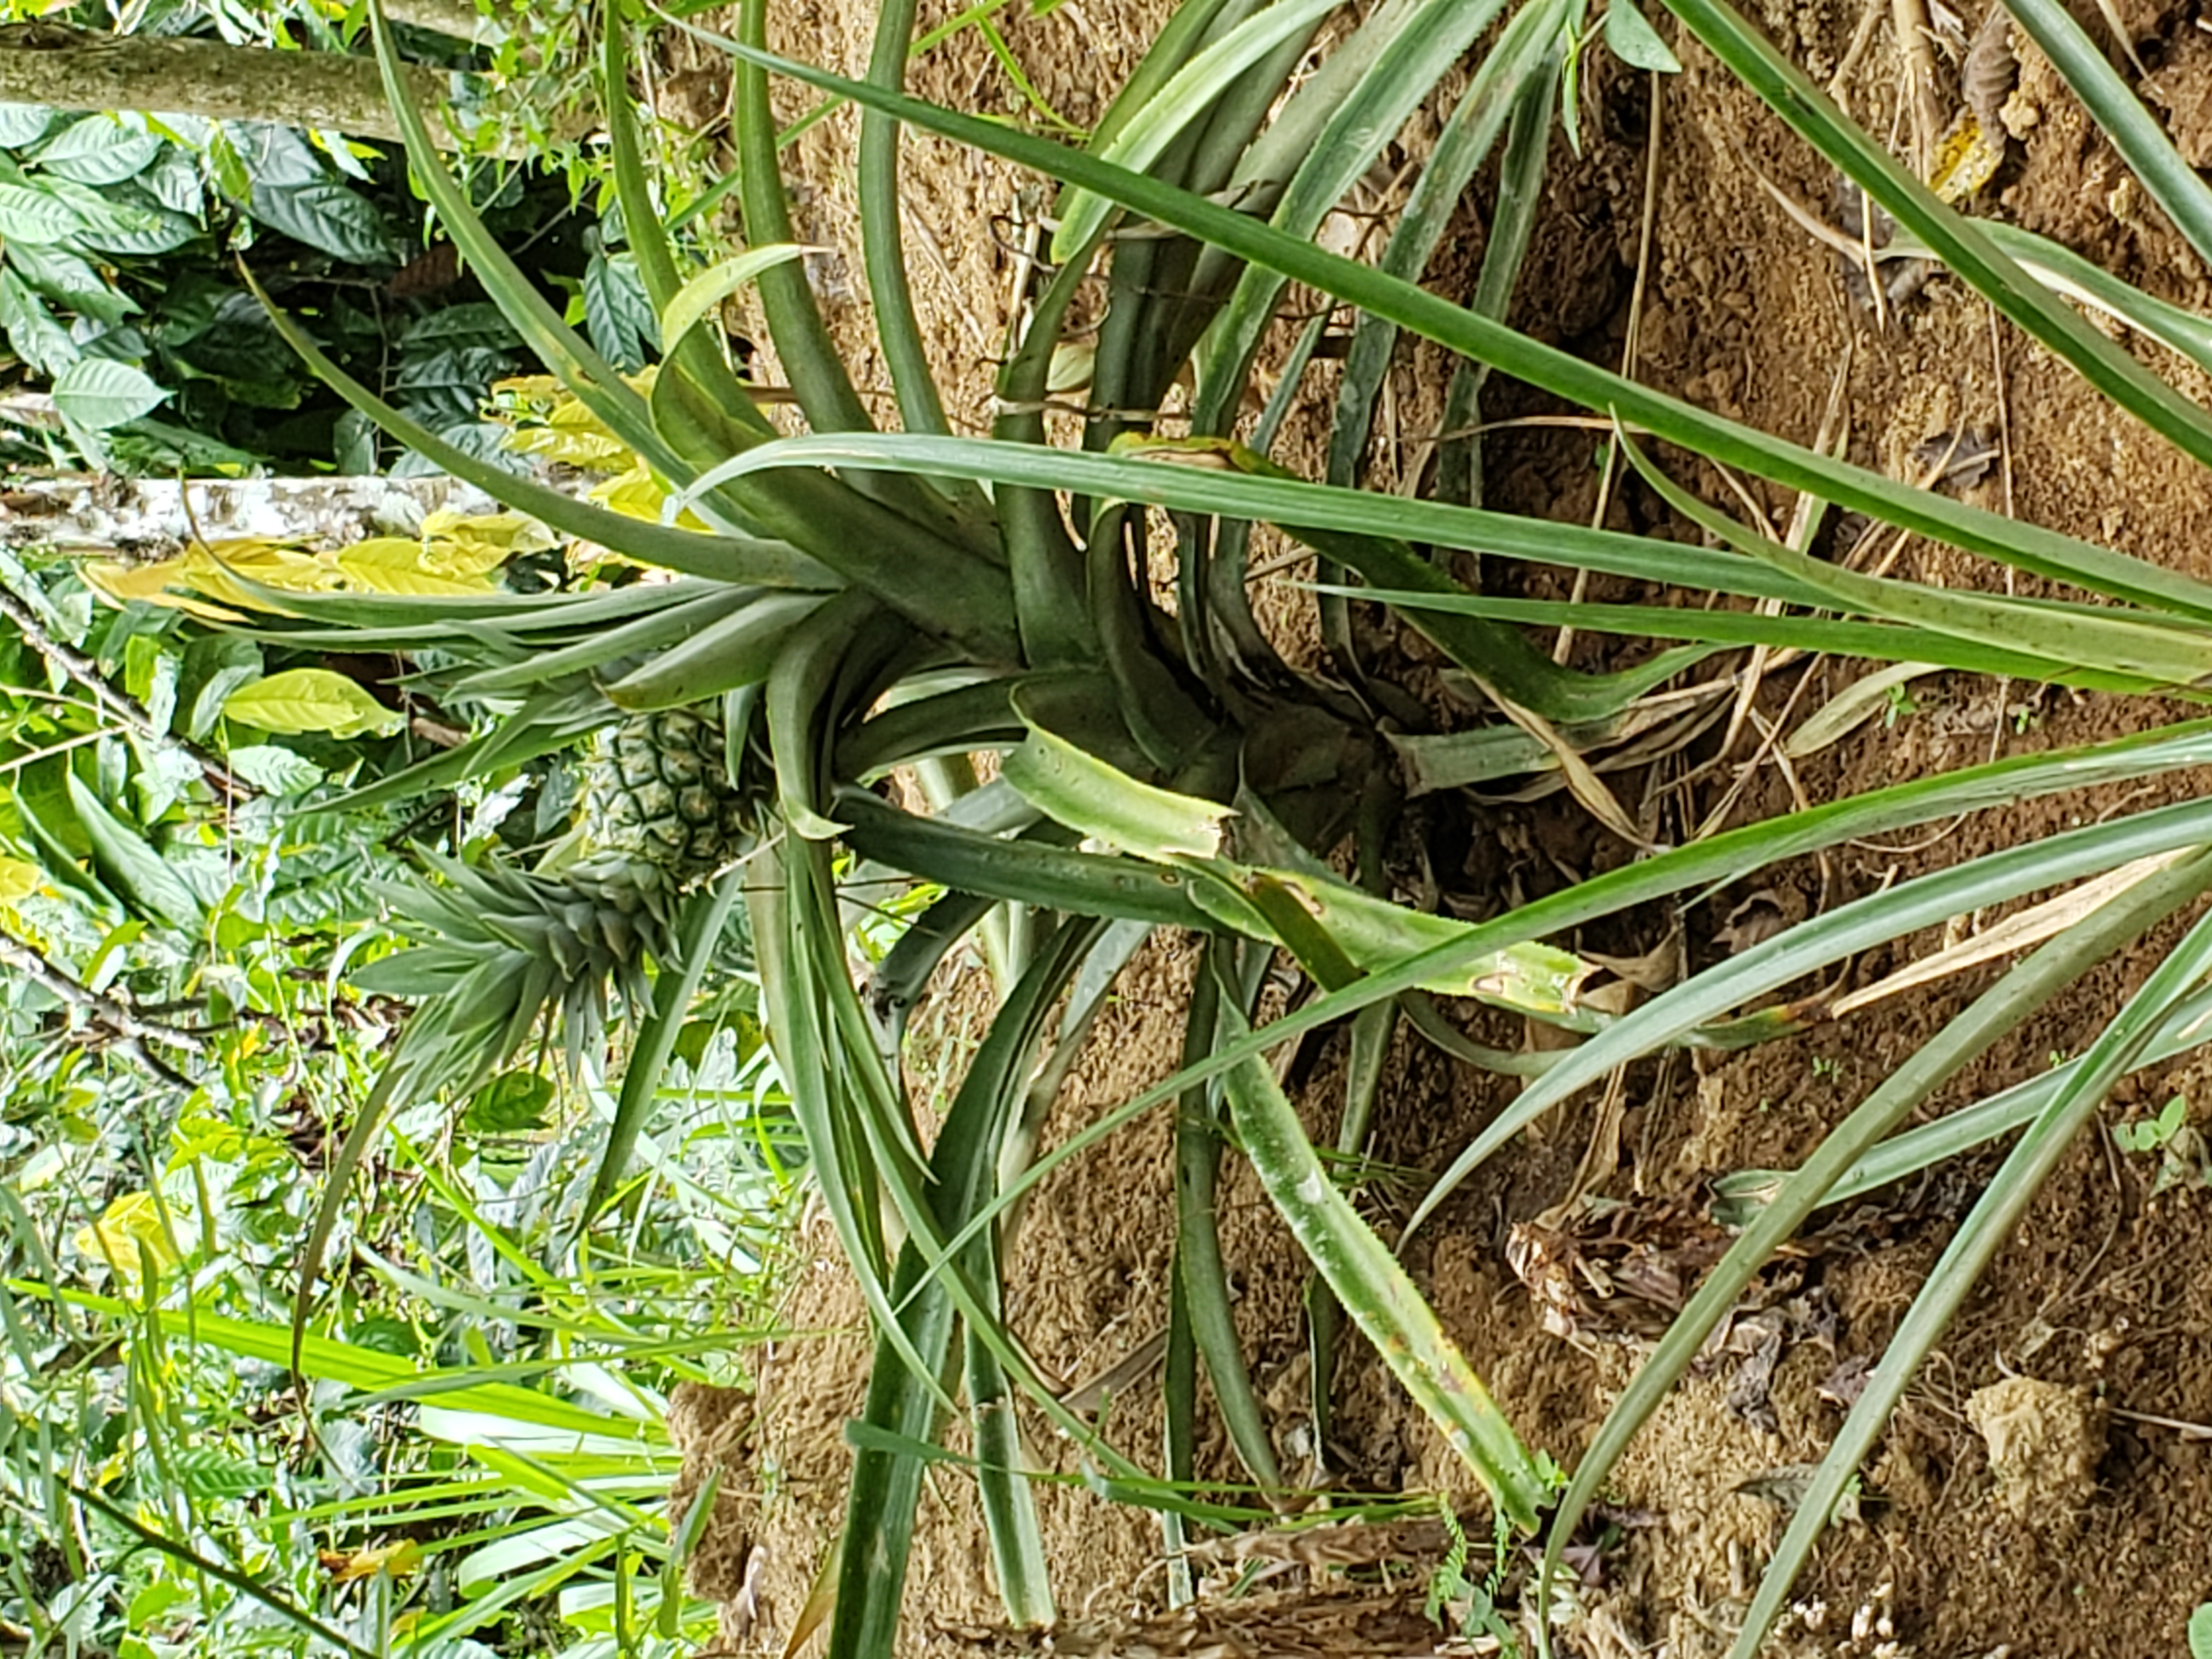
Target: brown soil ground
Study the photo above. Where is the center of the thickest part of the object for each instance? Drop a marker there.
(2070, 1520)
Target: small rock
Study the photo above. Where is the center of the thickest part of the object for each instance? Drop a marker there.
(2045, 1443)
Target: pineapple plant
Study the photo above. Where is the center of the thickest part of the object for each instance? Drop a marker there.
(497, 950)
(1161, 766)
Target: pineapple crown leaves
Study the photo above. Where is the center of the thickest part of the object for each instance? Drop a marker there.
(495, 949)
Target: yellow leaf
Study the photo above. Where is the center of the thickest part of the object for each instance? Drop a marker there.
(310, 700)
(572, 435)
(399, 1558)
(1966, 160)
(460, 559)
(510, 532)
(528, 392)
(590, 451)
(638, 494)
(214, 571)
(128, 1237)
(121, 584)
(392, 564)
(19, 880)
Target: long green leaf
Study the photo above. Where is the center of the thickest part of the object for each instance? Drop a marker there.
(327, 1359)
(1723, 858)
(2178, 650)
(1813, 944)
(697, 360)
(817, 374)
(939, 584)
(1052, 877)
(887, 1484)
(1378, 1293)
(1201, 1274)
(698, 932)
(188, 1557)
(1519, 196)
(883, 248)
(1437, 196)
(1723, 441)
(1882, 641)
(1740, 1196)
(1147, 129)
(1297, 505)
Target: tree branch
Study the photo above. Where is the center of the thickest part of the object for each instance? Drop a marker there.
(119, 705)
(118, 1017)
(72, 69)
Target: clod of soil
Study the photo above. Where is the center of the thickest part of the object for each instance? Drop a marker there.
(712, 1428)
(2045, 1441)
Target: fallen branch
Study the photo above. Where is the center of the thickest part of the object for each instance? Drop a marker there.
(157, 518)
(72, 69)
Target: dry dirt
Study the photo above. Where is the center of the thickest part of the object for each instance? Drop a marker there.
(2101, 1307)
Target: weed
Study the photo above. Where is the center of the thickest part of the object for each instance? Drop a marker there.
(2183, 1154)
(1472, 1608)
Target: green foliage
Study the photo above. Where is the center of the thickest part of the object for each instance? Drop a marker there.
(2184, 1159)
(2153, 1134)
(1032, 595)
(854, 602)
(478, 1461)
(117, 234)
